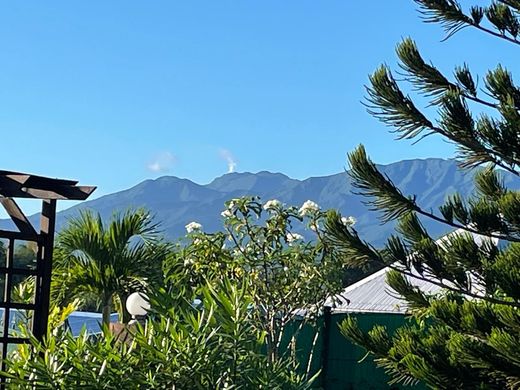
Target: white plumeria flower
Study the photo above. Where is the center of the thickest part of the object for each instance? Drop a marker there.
(188, 261)
(192, 226)
(232, 203)
(291, 237)
(308, 207)
(226, 213)
(272, 204)
(348, 221)
(314, 226)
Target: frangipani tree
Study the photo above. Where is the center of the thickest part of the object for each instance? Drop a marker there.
(286, 274)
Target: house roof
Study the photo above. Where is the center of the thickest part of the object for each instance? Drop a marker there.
(373, 295)
(76, 321)
(88, 320)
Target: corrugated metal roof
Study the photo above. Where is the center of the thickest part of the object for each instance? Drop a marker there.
(76, 321)
(89, 320)
(373, 295)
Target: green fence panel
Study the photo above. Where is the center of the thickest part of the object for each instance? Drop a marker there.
(306, 341)
(343, 365)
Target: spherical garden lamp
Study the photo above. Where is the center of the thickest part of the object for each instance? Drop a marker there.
(137, 305)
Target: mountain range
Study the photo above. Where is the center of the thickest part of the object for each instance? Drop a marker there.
(176, 202)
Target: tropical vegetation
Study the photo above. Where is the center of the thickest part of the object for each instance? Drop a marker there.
(217, 346)
(467, 336)
(287, 275)
(219, 307)
(222, 303)
(105, 262)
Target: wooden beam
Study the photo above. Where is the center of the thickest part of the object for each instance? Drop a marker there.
(42, 194)
(61, 192)
(74, 192)
(17, 306)
(40, 181)
(18, 217)
(18, 236)
(18, 177)
(35, 180)
(13, 340)
(19, 271)
(22, 186)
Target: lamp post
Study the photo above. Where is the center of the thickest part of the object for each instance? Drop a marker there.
(138, 305)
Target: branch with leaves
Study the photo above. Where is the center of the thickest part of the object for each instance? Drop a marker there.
(467, 335)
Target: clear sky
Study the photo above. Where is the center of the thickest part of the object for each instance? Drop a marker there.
(115, 92)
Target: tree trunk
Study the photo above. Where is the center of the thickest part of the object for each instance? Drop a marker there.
(107, 308)
(124, 315)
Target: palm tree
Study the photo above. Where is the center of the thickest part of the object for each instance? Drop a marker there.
(107, 262)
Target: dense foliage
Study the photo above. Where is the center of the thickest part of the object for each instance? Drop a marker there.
(287, 276)
(467, 336)
(105, 262)
(218, 310)
(216, 346)
(24, 257)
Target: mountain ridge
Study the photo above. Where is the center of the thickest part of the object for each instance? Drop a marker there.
(177, 201)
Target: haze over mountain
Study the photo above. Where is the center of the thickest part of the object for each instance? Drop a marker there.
(176, 202)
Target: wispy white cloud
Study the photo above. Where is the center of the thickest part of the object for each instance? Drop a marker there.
(162, 162)
(230, 160)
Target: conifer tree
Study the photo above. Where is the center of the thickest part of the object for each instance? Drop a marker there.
(468, 335)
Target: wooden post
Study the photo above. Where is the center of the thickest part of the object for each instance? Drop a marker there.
(47, 224)
(327, 319)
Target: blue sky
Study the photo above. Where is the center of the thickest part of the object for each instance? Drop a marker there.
(112, 93)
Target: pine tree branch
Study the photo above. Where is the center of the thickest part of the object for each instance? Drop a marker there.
(430, 81)
(367, 178)
(450, 15)
(466, 228)
(494, 33)
(480, 101)
(515, 4)
(350, 244)
(387, 102)
(454, 289)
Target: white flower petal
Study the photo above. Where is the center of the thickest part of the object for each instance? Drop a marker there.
(308, 207)
(192, 226)
(272, 204)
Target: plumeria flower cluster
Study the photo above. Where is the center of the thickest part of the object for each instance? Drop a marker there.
(308, 208)
(348, 221)
(227, 213)
(264, 241)
(232, 203)
(193, 226)
(238, 207)
(291, 237)
(272, 204)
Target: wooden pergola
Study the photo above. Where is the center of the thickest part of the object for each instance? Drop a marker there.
(49, 191)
